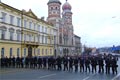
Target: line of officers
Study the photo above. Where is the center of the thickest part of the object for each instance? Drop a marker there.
(69, 63)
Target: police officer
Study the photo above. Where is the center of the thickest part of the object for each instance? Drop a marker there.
(18, 62)
(87, 64)
(70, 64)
(108, 64)
(76, 64)
(21, 62)
(6, 61)
(39, 62)
(2, 62)
(65, 62)
(26, 62)
(31, 61)
(13, 61)
(93, 63)
(44, 62)
(49, 63)
(114, 65)
(81, 60)
(35, 62)
(59, 61)
(53, 63)
(101, 64)
(9, 62)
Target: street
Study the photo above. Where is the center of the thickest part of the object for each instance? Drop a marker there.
(44, 74)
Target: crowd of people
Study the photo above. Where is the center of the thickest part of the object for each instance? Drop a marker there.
(91, 63)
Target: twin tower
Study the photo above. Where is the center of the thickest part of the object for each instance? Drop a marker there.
(63, 21)
(54, 10)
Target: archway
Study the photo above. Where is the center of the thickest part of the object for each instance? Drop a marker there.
(30, 51)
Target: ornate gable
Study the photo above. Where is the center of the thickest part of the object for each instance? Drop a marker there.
(31, 14)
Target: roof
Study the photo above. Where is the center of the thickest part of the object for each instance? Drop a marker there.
(23, 12)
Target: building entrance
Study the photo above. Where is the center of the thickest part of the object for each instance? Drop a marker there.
(30, 51)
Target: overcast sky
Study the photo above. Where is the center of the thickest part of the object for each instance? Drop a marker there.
(96, 21)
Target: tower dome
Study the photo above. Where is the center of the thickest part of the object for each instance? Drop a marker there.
(66, 6)
(54, 1)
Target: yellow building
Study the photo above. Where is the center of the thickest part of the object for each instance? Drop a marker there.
(22, 33)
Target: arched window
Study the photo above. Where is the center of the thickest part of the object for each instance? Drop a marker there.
(50, 51)
(10, 52)
(51, 8)
(60, 39)
(3, 30)
(34, 51)
(18, 34)
(24, 52)
(38, 52)
(18, 52)
(56, 8)
(2, 52)
(42, 51)
(46, 52)
(11, 30)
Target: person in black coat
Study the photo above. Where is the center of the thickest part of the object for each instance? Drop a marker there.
(59, 62)
(82, 62)
(65, 62)
(44, 62)
(9, 62)
(18, 62)
(35, 62)
(93, 63)
(2, 62)
(49, 63)
(13, 61)
(76, 64)
(53, 63)
(114, 65)
(70, 64)
(21, 62)
(101, 64)
(87, 64)
(108, 64)
(39, 62)
(6, 61)
(26, 62)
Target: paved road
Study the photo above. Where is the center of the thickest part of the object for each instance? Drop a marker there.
(41, 74)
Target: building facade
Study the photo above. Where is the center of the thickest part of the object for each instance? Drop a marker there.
(22, 33)
(66, 40)
(78, 45)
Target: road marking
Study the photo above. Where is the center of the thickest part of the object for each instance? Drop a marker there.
(116, 76)
(46, 76)
(88, 77)
(13, 71)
